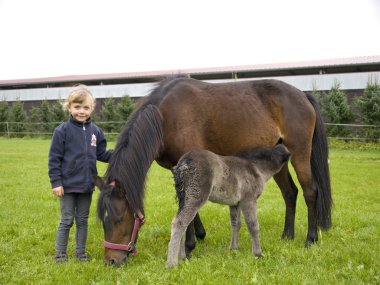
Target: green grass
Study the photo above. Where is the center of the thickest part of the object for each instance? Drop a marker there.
(347, 254)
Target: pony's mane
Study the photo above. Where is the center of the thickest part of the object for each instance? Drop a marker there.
(134, 152)
(138, 146)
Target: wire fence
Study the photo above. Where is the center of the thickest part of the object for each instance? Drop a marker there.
(347, 132)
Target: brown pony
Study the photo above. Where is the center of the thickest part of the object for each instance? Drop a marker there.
(182, 114)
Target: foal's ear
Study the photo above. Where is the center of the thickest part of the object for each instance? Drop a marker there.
(99, 183)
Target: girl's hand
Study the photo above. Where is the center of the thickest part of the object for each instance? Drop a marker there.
(58, 191)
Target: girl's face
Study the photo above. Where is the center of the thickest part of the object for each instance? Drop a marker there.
(81, 111)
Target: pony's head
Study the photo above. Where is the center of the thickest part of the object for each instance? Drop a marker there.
(120, 223)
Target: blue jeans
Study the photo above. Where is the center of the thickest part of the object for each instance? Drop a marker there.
(73, 206)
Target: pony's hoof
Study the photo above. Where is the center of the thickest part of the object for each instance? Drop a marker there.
(200, 235)
(287, 235)
(310, 242)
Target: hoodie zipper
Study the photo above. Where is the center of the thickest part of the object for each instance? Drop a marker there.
(85, 151)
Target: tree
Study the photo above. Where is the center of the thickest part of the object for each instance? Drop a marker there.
(34, 119)
(3, 116)
(338, 111)
(369, 108)
(109, 114)
(46, 116)
(58, 114)
(125, 108)
(17, 117)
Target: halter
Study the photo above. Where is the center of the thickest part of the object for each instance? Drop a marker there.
(131, 246)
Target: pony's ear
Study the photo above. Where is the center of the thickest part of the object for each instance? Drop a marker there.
(99, 183)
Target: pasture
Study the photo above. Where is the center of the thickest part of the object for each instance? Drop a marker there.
(347, 254)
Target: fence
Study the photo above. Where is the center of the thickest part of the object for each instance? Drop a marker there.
(112, 128)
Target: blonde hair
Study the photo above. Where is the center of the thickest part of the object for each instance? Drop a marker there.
(79, 95)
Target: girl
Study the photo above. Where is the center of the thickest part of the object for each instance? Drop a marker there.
(75, 147)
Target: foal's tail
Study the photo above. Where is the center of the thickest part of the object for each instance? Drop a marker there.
(320, 169)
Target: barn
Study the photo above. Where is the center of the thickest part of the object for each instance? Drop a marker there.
(353, 75)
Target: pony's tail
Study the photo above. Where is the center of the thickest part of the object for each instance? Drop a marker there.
(320, 169)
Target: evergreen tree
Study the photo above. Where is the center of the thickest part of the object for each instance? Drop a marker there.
(3, 117)
(17, 117)
(46, 116)
(338, 111)
(369, 108)
(58, 114)
(125, 107)
(109, 115)
(34, 120)
(321, 98)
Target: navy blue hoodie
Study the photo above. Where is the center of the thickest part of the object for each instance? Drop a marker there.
(74, 149)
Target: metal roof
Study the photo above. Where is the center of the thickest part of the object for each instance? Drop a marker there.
(329, 66)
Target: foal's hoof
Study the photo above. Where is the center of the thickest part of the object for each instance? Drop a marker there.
(170, 264)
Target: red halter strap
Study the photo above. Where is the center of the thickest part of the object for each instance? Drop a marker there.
(131, 246)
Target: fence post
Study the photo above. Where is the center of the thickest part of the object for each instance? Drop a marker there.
(8, 130)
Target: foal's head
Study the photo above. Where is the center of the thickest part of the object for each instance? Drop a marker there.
(269, 160)
(120, 223)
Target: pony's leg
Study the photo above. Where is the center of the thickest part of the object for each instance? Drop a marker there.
(179, 224)
(200, 231)
(303, 170)
(235, 226)
(289, 192)
(249, 208)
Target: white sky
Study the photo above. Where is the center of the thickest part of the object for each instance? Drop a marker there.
(43, 38)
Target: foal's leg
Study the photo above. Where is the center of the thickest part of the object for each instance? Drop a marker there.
(179, 224)
(249, 208)
(289, 192)
(235, 226)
